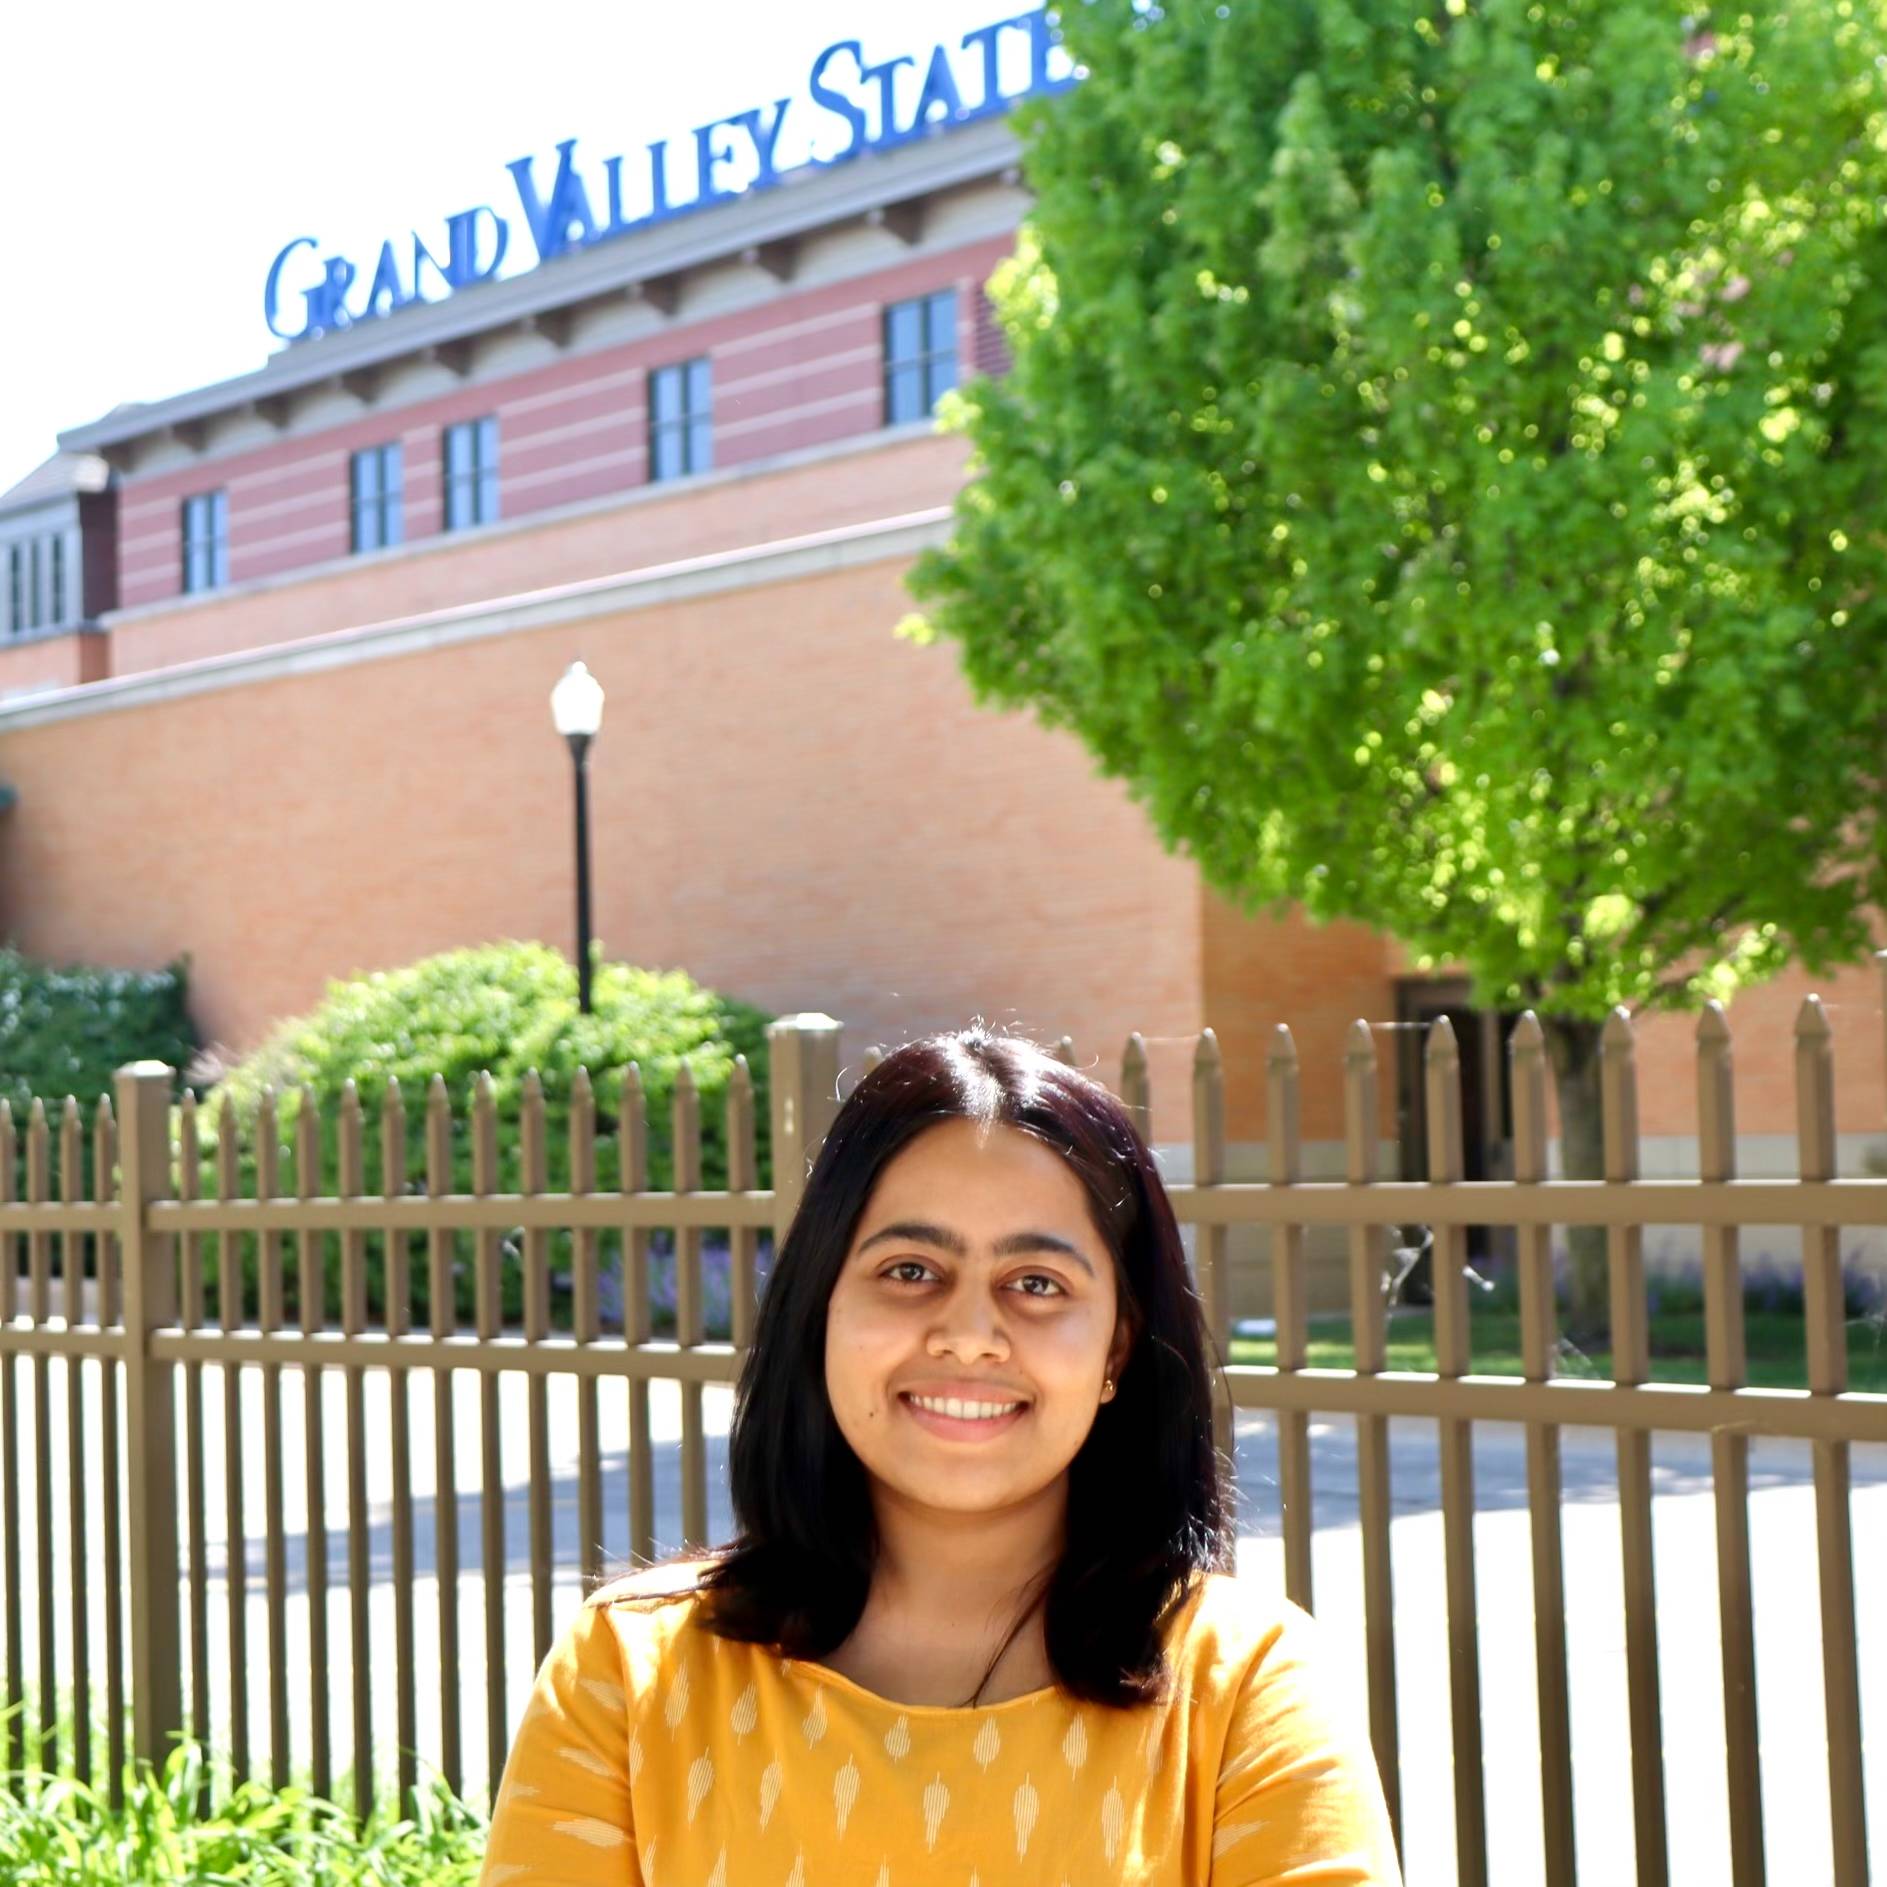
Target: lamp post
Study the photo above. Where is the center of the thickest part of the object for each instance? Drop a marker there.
(576, 707)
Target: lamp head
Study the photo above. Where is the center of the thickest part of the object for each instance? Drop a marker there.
(576, 703)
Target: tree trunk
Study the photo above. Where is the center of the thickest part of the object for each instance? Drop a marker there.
(1572, 1046)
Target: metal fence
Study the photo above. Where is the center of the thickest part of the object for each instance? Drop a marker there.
(142, 1322)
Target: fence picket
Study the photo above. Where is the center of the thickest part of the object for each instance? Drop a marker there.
(534, 1177)
(1290, 1308)
(1135, 1092)
(584, 1328)
(10, 1460)
(351, 1183)
(686, 1115)
(190, 1315)
(311, 1292)
(1631, 1363)
(1442, 1073)
(743, 1175)
(1727, 1367)
(1823, 1312)
(39, 1311)
(1209, 1241)
(632, 1134)
(1539, 1337)
(487, 1305)
(1362, 1129)
(79, 1572)
(397, 1288)
(274, 1546)
(229, 1281)
(443, 1315)
(111, 1481)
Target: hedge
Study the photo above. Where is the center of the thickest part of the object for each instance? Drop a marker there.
(502, 1009)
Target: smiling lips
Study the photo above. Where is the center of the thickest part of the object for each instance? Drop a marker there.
(963, 1416)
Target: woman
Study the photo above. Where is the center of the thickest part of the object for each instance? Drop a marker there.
(977, 1624)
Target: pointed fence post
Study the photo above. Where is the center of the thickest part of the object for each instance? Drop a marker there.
(150, 1303)
(804, 1082)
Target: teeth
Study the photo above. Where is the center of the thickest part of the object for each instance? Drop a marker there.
(964, 1411)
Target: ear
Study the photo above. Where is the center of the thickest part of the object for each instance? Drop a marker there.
(1122, 1346)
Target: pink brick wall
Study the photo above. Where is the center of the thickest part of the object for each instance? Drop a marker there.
(803, 369)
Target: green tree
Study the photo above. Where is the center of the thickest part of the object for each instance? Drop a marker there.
(1441, 474)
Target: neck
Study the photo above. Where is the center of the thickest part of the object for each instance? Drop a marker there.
(964, 1576)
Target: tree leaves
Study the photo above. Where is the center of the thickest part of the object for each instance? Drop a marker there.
(1440, 472)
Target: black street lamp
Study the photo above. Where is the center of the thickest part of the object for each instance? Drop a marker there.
(576, 706)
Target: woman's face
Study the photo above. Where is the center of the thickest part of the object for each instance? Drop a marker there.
(975, 1273)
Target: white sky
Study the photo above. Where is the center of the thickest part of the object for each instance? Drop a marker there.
(154, 157)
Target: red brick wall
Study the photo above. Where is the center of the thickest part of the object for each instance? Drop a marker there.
(788, 801)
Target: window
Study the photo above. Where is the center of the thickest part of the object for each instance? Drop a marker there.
(471, 473)
(680, 431)
(35, 594)
(56, 550)
(374, 482)
(920, 354)
(16, 589)
(205, 541)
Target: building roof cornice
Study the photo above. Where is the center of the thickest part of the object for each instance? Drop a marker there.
(889, 186)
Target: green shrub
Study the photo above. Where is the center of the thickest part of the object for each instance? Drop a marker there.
(58, 1832)
(502, 1009)
(64, 1030)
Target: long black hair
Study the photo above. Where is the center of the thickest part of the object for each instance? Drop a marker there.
(1149, 1507)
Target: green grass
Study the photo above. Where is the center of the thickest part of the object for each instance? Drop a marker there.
(1775, 1341)
(58, 1832)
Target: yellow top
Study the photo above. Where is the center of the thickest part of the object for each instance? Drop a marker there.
(653, 1755)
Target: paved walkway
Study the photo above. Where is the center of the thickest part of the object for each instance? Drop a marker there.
(1782, 1531)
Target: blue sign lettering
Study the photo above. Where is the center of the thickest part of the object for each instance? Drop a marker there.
(732, 155)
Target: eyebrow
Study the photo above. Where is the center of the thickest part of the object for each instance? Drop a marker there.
(923, 1232)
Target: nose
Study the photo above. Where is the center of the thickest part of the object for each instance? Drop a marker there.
(969, 1325)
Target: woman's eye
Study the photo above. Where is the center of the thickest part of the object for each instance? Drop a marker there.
(1042, 1277)
(906, 1264)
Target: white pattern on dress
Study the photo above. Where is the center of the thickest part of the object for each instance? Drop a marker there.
(797, 1878)
(769, 1789)
(936, 1800)
(1233, 1833)
(635, 1754)
(845, 1791)
(884, 1875)
(719, 1877)
(898, 1738)
(1112, 1814)
(607, 1694)
(584, 1759)
(677, 1706)
(700, 1780)
(988, 1742)
(746, 1712)
(1074, 1746)
(599, 1834)
(504, 1871)
(1026, 1804)
(815, 1723)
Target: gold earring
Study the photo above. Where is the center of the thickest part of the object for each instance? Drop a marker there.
(1107, 1388)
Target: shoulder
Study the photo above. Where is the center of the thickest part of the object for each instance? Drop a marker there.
(666, 1579)
(644, 1616)
(1230, 1632)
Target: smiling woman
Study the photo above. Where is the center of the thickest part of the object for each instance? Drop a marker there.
(978, 1621)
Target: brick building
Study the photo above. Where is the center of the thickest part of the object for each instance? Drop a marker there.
(290, 715)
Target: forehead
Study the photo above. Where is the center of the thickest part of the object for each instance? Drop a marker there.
(977, 1174)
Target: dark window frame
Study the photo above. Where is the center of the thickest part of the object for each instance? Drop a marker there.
(470, 490)
(915, 379)
(681, 418)
(206, 541)
(376, 504)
